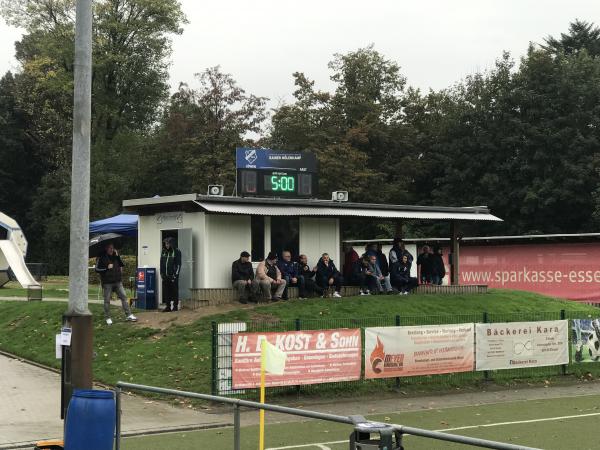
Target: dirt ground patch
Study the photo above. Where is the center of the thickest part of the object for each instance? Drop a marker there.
(160, 320)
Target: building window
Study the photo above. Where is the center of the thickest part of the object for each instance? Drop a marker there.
(258, 237)
(285, 235)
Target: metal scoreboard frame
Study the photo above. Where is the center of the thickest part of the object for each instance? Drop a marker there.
(263, 172)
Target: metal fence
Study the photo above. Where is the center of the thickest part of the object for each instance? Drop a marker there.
(361, 426)
(221, 352)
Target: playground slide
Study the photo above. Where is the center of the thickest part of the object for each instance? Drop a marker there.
(15, 260)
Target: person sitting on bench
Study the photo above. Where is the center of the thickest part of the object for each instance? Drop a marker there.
(362, 276)
(310, 286)
(401, 278)
(242, 277)
(269, 278)
(290, 272)
(328, 276)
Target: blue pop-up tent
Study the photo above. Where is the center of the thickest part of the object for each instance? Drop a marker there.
(125, 224)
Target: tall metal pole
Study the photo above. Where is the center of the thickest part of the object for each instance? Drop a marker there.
(78, 314)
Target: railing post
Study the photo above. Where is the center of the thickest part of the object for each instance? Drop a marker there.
(214, 358)
(397, 324)
(118, 424)
(298, 328)
(236, 427)
(563, 316)
(486, 373)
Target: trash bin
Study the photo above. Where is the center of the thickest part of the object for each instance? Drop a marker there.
(91, 420)
(374, 436)
(146, 288)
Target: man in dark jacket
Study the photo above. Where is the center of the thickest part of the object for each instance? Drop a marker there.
(170, 266)
(110, 267)
(290, 272)
(438, 269)
(328, 275)
(242, 277)
(310, 286)
(350, 257)
(398, 250)
(382, 262)
(364, 277)
(425, 261)
(400, 276)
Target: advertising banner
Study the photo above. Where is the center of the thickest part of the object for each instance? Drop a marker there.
(585, 345)
(521, 344)
(566, 270)
(419, 350)
(321, 356)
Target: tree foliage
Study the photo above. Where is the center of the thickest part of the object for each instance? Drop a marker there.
(522, 137)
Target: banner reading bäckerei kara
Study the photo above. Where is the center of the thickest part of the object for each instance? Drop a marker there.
(419, 350)
(313, 357)
(522, 344)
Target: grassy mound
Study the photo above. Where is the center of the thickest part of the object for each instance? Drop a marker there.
(180, 356)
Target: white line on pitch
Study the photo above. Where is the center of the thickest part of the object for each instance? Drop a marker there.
(547, 419)
(322, 445)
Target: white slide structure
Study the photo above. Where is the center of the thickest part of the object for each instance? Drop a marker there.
(16, 262)
(13, 248)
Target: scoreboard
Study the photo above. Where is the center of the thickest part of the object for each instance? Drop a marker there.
(271, 173)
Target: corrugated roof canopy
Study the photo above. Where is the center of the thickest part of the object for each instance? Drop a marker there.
(303, 207)
(325, 211)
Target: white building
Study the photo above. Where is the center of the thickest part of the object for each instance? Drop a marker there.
(211, 231)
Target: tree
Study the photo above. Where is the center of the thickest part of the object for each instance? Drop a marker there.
(582, 36)
(201, 129)
(131, 45)
(352, 129)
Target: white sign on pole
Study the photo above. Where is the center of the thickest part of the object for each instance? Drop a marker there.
(514, 345)
(58, 346)
(65, 337)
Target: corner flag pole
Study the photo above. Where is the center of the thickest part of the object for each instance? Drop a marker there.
(261, 435)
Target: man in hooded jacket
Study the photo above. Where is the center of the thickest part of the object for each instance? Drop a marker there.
(170, 267)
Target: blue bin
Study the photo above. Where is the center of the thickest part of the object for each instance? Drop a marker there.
(91, 420)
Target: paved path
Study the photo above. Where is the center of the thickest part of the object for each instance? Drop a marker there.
(30, 408)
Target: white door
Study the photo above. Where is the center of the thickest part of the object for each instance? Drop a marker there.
(184, 243)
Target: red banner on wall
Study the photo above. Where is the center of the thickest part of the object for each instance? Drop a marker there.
(562, 270)
(313, 357)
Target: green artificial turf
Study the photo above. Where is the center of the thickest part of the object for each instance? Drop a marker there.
(180, 356)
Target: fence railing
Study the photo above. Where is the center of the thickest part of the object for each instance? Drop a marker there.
(221, 351)
(358, 422)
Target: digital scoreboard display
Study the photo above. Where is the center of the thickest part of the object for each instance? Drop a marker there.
(264, 172)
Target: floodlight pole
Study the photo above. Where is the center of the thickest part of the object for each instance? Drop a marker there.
(78, 315)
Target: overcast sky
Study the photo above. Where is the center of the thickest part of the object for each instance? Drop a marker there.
(436, 42)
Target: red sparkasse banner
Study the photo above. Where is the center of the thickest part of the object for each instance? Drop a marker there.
(320, 356)
(567, 270)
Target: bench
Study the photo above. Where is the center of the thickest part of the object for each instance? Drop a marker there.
(221, 296)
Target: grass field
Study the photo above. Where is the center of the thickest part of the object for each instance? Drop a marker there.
(180, 355)
(553, 424)
(53, 287)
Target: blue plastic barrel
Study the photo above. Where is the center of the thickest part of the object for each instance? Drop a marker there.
(91, 420)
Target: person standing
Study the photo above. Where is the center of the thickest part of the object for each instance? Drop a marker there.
(242, 277)
(350, 257)
(438, 269)
(269, 278)
(170, 266)
(328, 275)
(397, 251)
(110, 267)
(382, 262)
(425, 262)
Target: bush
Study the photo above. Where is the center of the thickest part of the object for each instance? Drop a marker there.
(128, 270)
